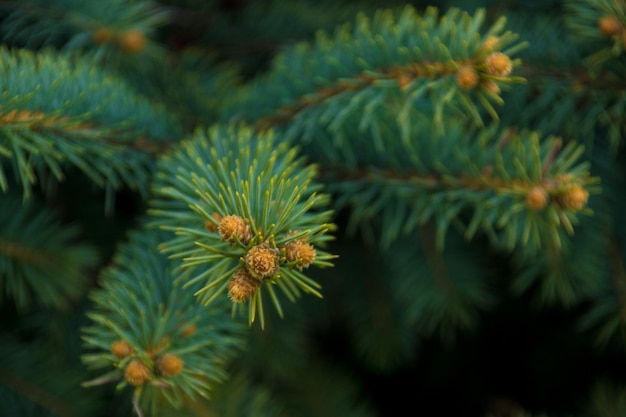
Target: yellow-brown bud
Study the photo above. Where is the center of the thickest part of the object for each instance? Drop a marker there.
(301, 251)
(537, 198)
(490, 43)
(137, 373)
(121, 349)
(404, 80)
(467, 78)
(189, 330)
(575, 198)
(170, 365)
(233, 225)
(242, 286)
(262, 261)
(498, 64)
(610, 26)
(132, 41)
(102, 35)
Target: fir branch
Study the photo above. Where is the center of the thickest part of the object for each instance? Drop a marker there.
(402, 59)
(600, 25)
(104, 28)
(149, 333)
(607, 314)
(442, 292)
(40, 259)
(57, 111)
(513, 182)
(35, 380)
(244, 207)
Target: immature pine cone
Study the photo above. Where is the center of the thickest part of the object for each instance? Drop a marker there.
(490, 43)
(102, 35)
(262, 261)
(300, 250)
(467, 78)
(609, 26)
(235, 225)
(170, 365)
(498, 64)
(574, 199)
(537, 198)
(121, 349)
(132, 41)
(242, 286)
(189, 330)
(136, 372)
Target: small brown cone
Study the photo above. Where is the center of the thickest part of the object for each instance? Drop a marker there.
(498, 64)
(262, 261)
(121, 349)
(132, 41)
(537, 198)
(490, 43)
(170, 365)
(189, 330)
(467, 78)
(242, 286)
(574, 198)
(404, 80)
(609, 26)
(137, 373)
(237, 226)
(299, 250)
(101, 36)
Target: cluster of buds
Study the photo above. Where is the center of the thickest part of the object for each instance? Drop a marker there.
(611, 27)
(140, 370)
(571, 197)
(262, 261)
(130, 40)
(495, 64)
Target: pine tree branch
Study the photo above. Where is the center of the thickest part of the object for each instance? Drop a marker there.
(404, 59)
(41, 261)
(150, 334)
(245, 209)
(82, 119)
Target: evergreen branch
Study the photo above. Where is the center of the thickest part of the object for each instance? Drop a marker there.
(152, 332)
(511, 181)
(600, 24)
(40, 261)
(562, 275)
(80, 118)
(240, 193)
(110, 30)
(35, 380)
(350, 77)
(607, 315)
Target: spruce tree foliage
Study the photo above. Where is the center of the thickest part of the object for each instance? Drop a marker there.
(299, 208)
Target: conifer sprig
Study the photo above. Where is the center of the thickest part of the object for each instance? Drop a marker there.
(149, 333)
(57, 111)
(41, 260)
(518, 188)
(601, 25)
(246, 211)
(106, 28)
(404, 58)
